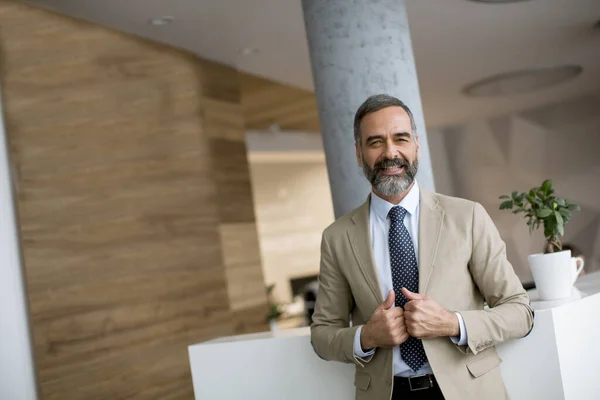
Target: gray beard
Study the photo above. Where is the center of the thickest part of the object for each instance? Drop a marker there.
(391, 185)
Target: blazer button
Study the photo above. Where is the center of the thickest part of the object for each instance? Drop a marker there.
(388, 382)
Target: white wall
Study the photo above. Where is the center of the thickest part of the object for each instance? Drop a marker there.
(440, 162)
(17, 379)
(293, 206)
(490, 157)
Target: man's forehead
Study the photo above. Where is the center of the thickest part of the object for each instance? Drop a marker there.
(387, 118)
(388, 115)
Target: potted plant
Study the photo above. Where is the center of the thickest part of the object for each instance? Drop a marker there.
(275, 309)
(554, 271)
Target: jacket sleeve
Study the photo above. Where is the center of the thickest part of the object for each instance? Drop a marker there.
(331, 336)
(509, 315)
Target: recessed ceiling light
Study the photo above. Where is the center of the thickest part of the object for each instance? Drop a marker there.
(498, 1)
(522, 81)
(248, 51)
(161, 21)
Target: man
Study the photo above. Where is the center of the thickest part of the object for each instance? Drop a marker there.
(411, 269)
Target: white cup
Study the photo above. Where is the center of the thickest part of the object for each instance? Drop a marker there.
(555, 273)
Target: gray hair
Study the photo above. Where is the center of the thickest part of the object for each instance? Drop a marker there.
(375, 103)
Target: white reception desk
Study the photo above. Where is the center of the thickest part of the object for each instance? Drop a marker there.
(560, 359)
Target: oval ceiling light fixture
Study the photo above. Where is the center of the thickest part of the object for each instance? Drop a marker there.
(162, 21)
(248, 51)
(522, 81)
(498, 1)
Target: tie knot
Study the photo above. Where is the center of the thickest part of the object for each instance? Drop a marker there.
(397, 214)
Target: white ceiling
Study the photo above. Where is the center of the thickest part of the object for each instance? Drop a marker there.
(455, 42)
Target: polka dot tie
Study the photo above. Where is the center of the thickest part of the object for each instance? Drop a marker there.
(405, 273)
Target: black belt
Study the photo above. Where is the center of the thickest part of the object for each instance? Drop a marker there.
(414, 383)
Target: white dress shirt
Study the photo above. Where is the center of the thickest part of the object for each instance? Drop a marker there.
(379, 229)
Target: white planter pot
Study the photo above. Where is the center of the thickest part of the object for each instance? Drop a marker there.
(273, 325)
(554, 274)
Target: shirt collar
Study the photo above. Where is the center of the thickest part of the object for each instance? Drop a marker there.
(409, 203)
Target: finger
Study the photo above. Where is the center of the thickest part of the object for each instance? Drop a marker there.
(412, 296)
(389, 301)
(399, 339)
(398, 324)
(401, 324)
(410, 317)
(395, 312)
(413, 330)
(404, 337)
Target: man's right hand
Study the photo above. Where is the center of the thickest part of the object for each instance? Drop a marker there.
(386, 327)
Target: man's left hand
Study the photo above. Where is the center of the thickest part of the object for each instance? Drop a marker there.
(424, 318)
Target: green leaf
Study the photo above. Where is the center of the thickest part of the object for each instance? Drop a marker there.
(565, 213)
(560, 224)
(544, 213)
(518, 210)
(574, 207)
(515, 194)
(506, 205)
(522, 197)
(560, 202)
(504, 197)
(546, 186)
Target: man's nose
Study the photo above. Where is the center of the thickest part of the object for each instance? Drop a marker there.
(390, 151)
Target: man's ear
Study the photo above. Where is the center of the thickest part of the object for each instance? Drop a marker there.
(359, 159)
(418, 146)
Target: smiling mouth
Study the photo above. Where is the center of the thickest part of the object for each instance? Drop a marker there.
(391, 170)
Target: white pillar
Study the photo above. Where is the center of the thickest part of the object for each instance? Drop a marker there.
(359, 48)
(17, 371)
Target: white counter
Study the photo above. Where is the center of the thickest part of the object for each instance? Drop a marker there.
(560, 359)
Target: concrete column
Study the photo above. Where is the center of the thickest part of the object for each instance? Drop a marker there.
(17, 373)
(359, 48)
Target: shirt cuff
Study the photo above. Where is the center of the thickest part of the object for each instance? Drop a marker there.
(358, 351)
(461, 340)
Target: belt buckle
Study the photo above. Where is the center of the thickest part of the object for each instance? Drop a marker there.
(422, 388)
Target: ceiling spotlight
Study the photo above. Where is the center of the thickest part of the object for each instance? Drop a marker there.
(498, 1)
(522, 81)
(248, 51)
(161, 21)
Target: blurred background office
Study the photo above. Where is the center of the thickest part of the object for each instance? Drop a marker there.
(167, 167)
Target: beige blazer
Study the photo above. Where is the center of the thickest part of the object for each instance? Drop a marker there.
(462, 263)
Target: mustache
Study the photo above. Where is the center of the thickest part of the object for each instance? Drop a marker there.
(387, 163)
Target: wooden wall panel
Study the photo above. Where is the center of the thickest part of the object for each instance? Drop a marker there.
(225, 128)
(266, 103)
(245, 282)
(129, 161)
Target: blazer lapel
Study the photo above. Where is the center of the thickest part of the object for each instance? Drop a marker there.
(431, 217)
(360, 241)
